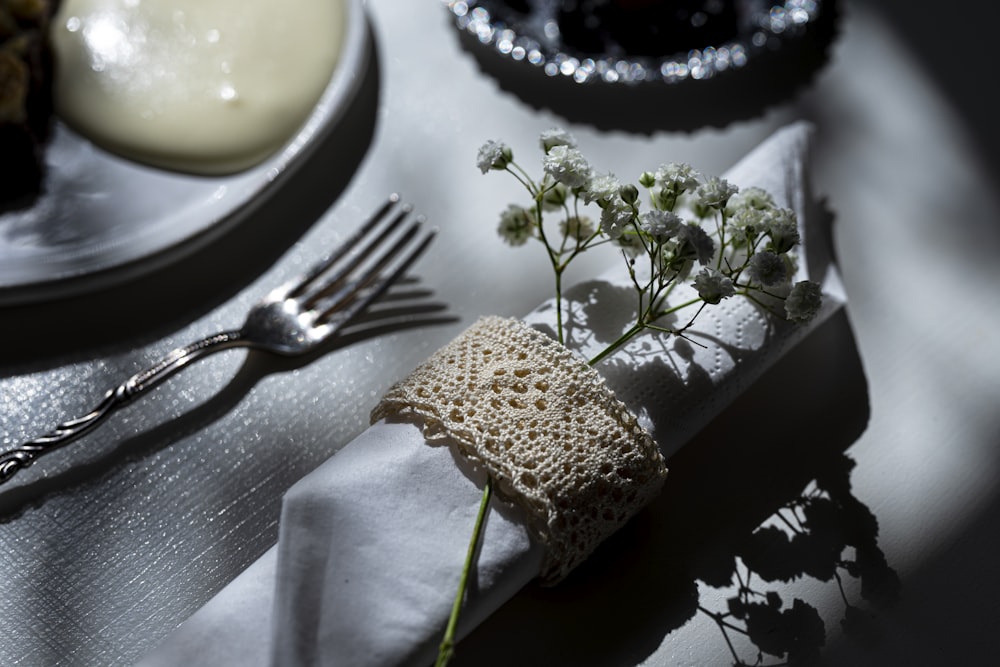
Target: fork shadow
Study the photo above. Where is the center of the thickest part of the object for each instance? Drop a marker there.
(403, 307)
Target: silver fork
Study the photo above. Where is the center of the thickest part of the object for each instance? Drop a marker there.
(292, 320)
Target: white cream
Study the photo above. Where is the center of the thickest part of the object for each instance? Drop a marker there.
(202, 86)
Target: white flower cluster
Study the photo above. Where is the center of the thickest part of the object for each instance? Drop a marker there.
(741, 242)
(493, 155)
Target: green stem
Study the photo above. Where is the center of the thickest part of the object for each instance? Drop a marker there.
(447, 648)
(523, 177)
(721, 231)
(557, 266)
(559, 314)
(640, 326)
(624, 338)
(674, 309)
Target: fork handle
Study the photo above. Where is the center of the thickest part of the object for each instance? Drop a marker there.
(21, 457)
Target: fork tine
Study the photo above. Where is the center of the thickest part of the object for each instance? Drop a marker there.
(363, 289)
(350, 245)
(342, 274)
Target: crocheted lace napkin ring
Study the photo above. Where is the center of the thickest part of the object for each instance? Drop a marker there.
(543, 424)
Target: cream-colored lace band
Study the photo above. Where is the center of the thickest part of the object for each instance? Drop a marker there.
(544, 425)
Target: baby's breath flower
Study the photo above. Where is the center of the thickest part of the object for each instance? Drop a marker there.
(803, 301)
(660, 225)
(752, 198)
(767, 268)
(629, 193)
(557, 136)
(783, 230)
(576, 227)
(693, 242)
(677, 177)
(715, 193)
(567, 166)
(516, 225)
(751, 217)
(615, 216)
(494, 155)
(746, 225)
(601, 188)
(712, 286)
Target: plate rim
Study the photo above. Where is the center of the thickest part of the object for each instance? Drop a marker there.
(17, 287)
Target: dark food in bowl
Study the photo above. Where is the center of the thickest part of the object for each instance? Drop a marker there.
(645, 27)
(25, 94)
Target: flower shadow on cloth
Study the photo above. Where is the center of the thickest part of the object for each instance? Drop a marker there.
(773, 461)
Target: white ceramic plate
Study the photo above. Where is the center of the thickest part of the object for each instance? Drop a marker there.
(103, 219)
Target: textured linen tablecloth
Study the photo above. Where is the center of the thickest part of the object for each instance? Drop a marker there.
(110, 544)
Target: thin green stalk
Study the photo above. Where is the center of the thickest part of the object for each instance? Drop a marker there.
(641, 325)
(522, 177)
(674, 309)
(624, 338)
(721, 231)
(447, 648)
(559, 314)
(557, 267)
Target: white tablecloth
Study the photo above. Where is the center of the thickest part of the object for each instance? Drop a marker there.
(892, 447)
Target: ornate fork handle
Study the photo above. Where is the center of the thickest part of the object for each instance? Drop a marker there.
(293, 319)
(23, 456)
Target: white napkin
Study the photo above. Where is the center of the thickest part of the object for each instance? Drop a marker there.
(372, 542)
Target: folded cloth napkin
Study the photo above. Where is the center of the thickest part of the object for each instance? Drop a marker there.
(372, 542)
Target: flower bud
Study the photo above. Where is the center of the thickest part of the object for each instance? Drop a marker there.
(629, 193)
